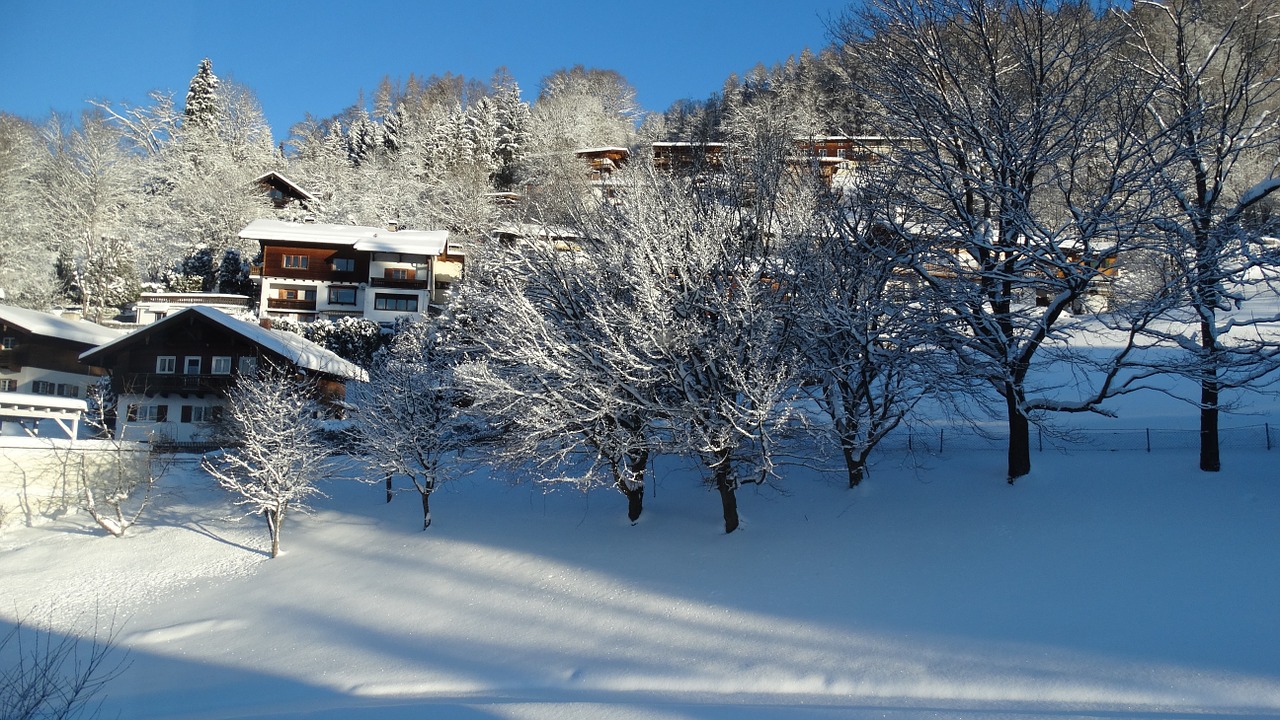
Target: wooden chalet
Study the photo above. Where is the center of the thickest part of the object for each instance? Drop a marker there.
(314, 271)
(172, 377)
(41, 375)
(282, 191)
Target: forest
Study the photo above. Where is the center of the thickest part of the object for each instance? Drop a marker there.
(1055, 172)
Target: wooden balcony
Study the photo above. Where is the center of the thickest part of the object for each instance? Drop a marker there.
(296, 305)
(399, 284)
(163, 384)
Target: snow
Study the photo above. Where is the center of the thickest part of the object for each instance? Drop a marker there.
(1119, 585)
(372, 239)
(294, 348)
(52, 326)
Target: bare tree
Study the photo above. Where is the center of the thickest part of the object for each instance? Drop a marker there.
(274, 454)
(50, 677)
(562, 367)
(1025, 172)
(1215, 68)
(863, 336)
(408, 419)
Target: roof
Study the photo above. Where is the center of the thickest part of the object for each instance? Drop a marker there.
(52, 326)
(292, 347)
(278, 177)
(359, 237)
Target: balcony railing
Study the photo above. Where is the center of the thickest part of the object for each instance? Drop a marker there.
(399, 284)
(152, 383)
(283, 304)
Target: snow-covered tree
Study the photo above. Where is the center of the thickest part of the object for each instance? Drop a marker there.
(89, 199)
(1215, 68)
(274, 454)
(1024, 171)
(201, 107)
(408, 419)
(561, 364)
(26, 254)
(862, 334)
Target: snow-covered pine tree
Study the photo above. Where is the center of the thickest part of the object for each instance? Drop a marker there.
(201, 108)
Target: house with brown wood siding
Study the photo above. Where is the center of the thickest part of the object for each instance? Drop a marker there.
(41, 376)
(171, 378)
(313, 271)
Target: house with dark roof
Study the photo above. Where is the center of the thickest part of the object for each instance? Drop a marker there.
(43, 384)
(172, 378)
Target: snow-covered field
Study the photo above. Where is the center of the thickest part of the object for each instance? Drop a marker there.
(1116, 585)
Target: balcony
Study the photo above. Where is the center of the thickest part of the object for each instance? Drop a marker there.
(399, 284)
(163, 384)
(295, 305)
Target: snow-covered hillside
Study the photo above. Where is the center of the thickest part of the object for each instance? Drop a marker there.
(1116, 584)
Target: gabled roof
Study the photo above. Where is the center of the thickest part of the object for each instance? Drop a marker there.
(294, 348)
(359, 237)
(52, 326)
(276, 179)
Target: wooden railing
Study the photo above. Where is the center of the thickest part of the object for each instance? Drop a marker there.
(283, 304)
(151, 383)
(400, 284)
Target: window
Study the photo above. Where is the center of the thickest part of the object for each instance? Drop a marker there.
(166, 364)
(71, 391)
(40, 387)
(248, 365)
(401, 274)
(199, 413)
(221, 365)
(147, 413)
(344, 264)
(292, 294)
(8, 385)
(8, 343)
(299, 262)
(342, 296)
(397, 303)
(191, 365)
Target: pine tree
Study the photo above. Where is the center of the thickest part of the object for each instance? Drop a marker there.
(202, 98)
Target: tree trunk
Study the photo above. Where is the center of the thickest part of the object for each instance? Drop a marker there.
(1019, 438)
(728, 496)
(633, 486)
(274, 518)
(1210, 459)
(388, 487)
(426, 510)
(855, 465)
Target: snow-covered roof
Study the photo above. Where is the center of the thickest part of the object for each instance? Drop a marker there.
(536, 230)
(292, 347)
(53, 326)
(265, 177)
(359, 237)
(408, 242)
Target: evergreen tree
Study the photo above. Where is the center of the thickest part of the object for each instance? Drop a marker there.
(201, 108)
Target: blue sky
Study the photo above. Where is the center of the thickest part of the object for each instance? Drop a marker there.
(316, 56)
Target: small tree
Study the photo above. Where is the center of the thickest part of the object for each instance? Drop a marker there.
(274, 453)
(407, 418)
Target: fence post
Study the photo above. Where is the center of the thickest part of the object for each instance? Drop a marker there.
(941, 436)
(909, 436)
(1040, 437)
(1148, 439)
(1267, 428)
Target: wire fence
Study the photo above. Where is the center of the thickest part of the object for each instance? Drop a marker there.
(941, 439)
